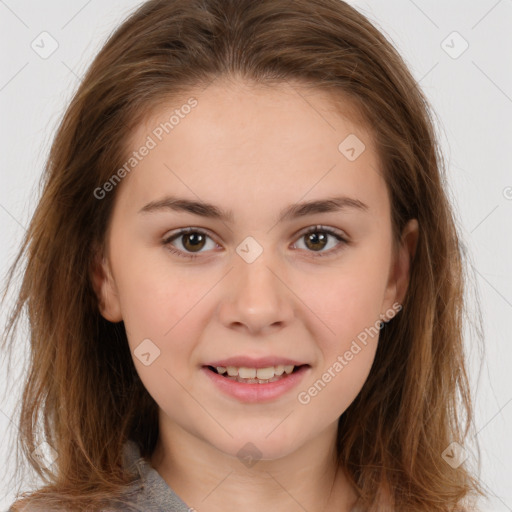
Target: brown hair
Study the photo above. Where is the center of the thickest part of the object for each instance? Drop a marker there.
(82, 380)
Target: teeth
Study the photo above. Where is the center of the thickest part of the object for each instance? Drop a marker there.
(255, 374)
(263, 373)
(247, 373)
(232, 371)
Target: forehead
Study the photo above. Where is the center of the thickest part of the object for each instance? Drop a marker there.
(257, 140)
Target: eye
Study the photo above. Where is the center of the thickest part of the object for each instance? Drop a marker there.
(316, 239)
(193, 240)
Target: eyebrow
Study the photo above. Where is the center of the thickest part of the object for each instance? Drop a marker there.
(293, 211)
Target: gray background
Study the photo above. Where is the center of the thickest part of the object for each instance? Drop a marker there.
(471, 94)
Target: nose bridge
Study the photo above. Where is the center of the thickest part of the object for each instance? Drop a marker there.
(257, 298)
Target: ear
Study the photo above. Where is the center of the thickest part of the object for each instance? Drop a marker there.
(105, 288)
(400, 271)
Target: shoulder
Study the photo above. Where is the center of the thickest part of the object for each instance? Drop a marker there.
(149, 492)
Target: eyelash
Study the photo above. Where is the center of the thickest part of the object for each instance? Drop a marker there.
(314, 229)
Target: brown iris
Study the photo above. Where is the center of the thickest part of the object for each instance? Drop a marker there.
(316, 238)
(193, 241)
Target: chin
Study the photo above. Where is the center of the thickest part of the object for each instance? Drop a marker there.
(253, 447)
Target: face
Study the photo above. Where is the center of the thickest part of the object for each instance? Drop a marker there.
(261, 284)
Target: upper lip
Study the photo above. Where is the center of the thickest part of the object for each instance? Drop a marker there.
(249, 362)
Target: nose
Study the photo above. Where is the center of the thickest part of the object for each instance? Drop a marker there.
(257, 299)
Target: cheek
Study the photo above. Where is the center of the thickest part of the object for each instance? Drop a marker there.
(347, 304)
(159, 305)
(156, 295)
(347, 300)
(346, 348)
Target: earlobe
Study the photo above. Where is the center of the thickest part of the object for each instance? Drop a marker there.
(105, 288)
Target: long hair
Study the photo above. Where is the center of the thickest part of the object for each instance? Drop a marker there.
(82, 382)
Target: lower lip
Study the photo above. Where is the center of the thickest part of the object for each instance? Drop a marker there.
(256, 392)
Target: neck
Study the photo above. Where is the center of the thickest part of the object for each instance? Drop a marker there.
(208, 479)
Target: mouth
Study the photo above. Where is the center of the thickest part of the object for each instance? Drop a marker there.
(249, 375)
(256, 380)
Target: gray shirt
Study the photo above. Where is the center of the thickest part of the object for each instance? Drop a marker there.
(150, 493)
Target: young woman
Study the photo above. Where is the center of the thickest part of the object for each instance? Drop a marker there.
(244, 281)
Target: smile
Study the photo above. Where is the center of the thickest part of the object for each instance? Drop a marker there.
(255, 375)
(250, 384)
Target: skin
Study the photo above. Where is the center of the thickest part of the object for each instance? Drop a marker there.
(252, 150)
